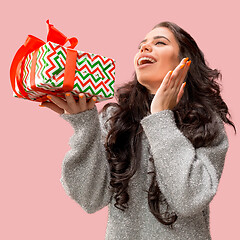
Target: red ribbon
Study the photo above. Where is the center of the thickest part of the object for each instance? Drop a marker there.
(31, 44)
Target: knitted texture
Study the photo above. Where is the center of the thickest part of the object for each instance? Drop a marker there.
(188, 177)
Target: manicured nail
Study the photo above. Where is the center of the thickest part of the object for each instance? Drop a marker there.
(49, 97)
(182, 66)
(185, 60)
(189, 62)
(41, 105)
(68, 94)
(94, 99)
(170, 72)
(184, 84)
(80, 95)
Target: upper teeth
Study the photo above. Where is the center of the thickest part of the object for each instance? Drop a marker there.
(145, 58)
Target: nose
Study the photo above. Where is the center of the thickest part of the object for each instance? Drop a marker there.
(146, 47)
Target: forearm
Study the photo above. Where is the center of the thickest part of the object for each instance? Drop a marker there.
(188, 177)
(85, 170)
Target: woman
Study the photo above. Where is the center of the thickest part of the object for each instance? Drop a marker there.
(157, 155)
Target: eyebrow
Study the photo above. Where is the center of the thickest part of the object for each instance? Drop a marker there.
(156, 37)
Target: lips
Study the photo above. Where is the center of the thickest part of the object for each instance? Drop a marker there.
(144, 65)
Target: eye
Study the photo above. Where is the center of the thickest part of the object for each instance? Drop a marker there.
(161, 42)
(155, 44)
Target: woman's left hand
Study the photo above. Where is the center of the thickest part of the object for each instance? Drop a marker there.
(172, 88)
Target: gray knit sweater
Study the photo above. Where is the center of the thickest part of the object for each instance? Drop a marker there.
(188, 177)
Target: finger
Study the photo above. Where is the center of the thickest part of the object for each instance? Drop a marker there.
(53, 107)
(92, 102)
(82, 102)
(174, 80)
(181, 92)
(182, 75)
(59, 102)
(71, 101)
(166, 79)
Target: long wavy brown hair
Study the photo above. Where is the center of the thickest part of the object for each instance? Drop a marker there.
(195, 116)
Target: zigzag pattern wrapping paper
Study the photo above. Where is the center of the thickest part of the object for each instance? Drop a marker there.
(94, 74)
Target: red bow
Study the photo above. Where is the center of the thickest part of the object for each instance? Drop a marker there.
(31, 44)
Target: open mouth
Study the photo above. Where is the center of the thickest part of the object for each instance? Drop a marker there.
(145, 61)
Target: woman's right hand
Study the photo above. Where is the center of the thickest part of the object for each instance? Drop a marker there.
(70, 106)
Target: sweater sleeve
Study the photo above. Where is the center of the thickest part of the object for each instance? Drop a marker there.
(85, 170)
(187, 177)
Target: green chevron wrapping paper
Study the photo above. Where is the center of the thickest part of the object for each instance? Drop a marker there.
(94, 74)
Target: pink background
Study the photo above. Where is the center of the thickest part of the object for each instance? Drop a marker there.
(35, 140)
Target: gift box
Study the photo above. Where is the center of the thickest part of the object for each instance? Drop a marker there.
(40, 68)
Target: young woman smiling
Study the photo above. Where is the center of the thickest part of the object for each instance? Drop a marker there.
(156, 156)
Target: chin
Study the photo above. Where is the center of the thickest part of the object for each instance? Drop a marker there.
(146, 79)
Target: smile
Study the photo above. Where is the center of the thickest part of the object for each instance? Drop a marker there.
(144, 60)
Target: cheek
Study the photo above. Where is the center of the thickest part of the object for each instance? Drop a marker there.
(174, 61)
(168, 55)
(173, 58)
(168, 63)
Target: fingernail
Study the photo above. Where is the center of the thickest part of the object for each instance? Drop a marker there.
(68, 94)
(185, 60)
(189, 62)
(94, 99)
(49, 97)
(184, 84)
(170, 72)
(41, 105)
(182, 66)
(81, 95)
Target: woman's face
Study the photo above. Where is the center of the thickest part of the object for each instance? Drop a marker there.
(161, 46)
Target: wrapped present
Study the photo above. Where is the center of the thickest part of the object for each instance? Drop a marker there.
(40, 68)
